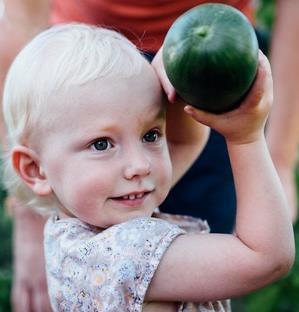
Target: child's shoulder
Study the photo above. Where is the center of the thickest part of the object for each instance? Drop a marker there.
(73, 228)
(158, 230)
(187, 223)
(79, 256)
(135, 237)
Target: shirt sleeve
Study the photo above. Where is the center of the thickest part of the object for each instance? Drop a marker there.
(111, 270)
(136, 249)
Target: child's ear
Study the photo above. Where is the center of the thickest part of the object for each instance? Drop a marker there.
(26, 163)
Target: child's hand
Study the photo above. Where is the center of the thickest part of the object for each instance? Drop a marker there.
(246, 123)
(161, 73)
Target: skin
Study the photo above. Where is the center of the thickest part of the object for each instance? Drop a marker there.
(120, 168)
(243, 261)
(115, 157)
(283, 126)
(30, 288)
(139, 164)
(23, 19)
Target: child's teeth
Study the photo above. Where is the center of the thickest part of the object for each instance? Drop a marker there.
(132, 196)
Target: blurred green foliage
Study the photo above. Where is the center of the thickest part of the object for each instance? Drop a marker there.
(279, 297)
(265, 14)
(282, 296)
(5, 255)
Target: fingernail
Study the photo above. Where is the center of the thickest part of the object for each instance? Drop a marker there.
(188, 109)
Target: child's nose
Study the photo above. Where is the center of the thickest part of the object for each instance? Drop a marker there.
(137, 165)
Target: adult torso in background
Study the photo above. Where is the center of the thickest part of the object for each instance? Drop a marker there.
(145, 22)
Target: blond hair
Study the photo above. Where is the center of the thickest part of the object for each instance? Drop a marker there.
(62, 56)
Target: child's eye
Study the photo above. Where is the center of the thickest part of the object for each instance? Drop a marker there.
(101, 144)
(152, 136)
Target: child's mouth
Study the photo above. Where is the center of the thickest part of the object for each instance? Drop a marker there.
(133, 196)
(132, 199)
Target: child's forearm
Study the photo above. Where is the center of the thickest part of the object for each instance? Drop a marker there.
(159, 307)
(181, 128)
(220, 265)
(186, 138)
(263, 222)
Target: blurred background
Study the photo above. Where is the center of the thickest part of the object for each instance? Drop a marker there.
(282, 296)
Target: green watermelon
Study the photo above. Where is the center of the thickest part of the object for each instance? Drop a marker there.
(210, 55)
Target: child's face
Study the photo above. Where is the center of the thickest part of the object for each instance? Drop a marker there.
(105, 156)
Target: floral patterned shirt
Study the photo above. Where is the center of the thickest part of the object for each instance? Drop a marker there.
(110, 270)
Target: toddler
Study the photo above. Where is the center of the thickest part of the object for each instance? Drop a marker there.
(94, 143)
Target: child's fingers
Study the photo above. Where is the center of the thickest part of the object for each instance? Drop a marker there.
(201, 116)
(266, 71)
(257, 101)
(262, 86)
(160, 70)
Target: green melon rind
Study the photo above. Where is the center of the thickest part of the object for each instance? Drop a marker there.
(210, 55)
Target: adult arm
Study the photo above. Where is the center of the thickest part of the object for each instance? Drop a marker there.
(29, 292)
(283, 126)
(21, 20)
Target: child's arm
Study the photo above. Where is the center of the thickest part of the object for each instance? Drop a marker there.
(160, 307)
(215, 266)
(186, 137)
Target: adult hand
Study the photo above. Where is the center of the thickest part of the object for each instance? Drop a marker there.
(29, 292)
